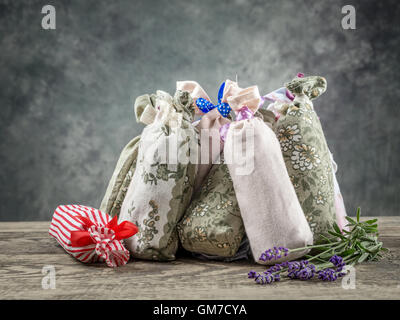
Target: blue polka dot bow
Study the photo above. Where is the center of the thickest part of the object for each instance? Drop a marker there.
(206, 106)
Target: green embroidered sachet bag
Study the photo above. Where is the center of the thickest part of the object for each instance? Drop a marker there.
(306, 153)
(212, 224)
(161, 186)
(118, 185)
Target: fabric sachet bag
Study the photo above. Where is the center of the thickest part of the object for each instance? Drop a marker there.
(279, 100)
(306, 153)
(118, 185)
(161, 187)
(270, 210)
(90, 235)
(212, 224)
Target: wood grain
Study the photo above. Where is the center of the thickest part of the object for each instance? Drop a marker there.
(26, 248)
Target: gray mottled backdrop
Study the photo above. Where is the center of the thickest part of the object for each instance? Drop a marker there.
(66, 95)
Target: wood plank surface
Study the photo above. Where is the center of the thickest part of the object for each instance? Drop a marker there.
(26, 248)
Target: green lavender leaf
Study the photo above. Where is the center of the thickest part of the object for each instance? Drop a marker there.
(336, 227)
(363, 257)
(339, 235)
(352, 221)
(348, 252)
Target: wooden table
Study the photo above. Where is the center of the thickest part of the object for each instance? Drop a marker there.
(26, 248)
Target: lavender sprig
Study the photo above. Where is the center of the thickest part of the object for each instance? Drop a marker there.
(339, 248)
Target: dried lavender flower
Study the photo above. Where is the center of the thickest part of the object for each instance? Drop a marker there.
(274, 253)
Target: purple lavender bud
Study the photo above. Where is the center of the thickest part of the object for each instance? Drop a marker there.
(327, 274)
(294, 266)
(252, 274)
(336, 260)
(259, 279)
(266, 278)
(274, 254)
(269, 278)
(306, 273)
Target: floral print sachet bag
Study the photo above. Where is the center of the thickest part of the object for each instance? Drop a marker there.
(306, 153)
(144, 108)
(161, 187)
(212, 224)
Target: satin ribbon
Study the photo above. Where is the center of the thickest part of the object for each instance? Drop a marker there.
(121, 231)
(205, 105)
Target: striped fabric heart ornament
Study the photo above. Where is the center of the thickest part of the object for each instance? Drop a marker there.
(90, 235)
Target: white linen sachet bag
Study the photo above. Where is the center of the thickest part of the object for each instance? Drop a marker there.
(270, 210)
(162, 185)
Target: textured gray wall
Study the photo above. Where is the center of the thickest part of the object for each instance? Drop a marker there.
(66, 95)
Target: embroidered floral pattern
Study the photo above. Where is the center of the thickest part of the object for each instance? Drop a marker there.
(163, 173)
(216, 227)
(288, 135)
(200, 210)
(304, 157)
(295, 112)
(224, 204)
(148, 229)
(200, 234)
(320, 198)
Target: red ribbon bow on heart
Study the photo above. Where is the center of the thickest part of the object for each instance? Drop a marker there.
(107, 239)
(123, 230)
